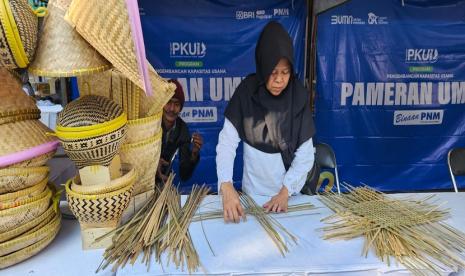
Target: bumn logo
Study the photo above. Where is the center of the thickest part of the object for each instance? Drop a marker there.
(188, 49)
(421, 55)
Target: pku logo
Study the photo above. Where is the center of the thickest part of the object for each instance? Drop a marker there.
(188, 49)
(421, 55)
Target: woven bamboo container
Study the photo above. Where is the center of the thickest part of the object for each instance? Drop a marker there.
(128, 178)
(19, 27)
(162, 93)
(24, 196)
(143, 129)
(102, 210)
(144, 156)
(17, 216)
(91, 130)
(98, 84)
(34, 162)
(31, 250)
(15, 179)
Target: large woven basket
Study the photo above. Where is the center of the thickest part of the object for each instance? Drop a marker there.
(41, 231)
(126, 94)
(15, 179)
(14, 217)
(19, 27)
(24, 196)
(47, 235)
(38, 161)
(144, 156)
(102, 210)
(128, 178)
(28, 225)
(91, 130)
(96, 84)
(15, 104)
(143, 129)
(62, 52)
(24, 140)
(162, 93)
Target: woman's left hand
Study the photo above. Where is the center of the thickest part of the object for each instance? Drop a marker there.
(278, 203)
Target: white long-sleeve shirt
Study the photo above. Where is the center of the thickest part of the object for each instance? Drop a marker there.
(264, 173)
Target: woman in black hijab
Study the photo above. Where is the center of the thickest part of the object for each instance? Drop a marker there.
(270, 112)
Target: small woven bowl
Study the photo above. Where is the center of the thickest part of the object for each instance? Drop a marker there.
(142, 129)
(144, 157)
(17, 216)
(102, 210)
(15, 179)
(128, 178)
(24, 196)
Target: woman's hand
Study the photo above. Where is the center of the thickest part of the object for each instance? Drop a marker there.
(232, 208)
(278, 203)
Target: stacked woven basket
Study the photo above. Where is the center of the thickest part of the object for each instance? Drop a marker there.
(28, 219)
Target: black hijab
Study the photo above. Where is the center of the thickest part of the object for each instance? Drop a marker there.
(270, 123)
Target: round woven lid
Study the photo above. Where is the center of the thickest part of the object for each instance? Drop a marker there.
(62, 52)
(15, 105)
(88, 111)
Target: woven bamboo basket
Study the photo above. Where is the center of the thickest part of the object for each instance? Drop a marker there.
(162, 93)
(62, 52)
(128, 178)
(14, 217)
(28, 225)
(31, 250)
(102, 210)
(91, 130)
(96, 84)
(126, 94)
(142, 129)
(38, 161)
(144, 156)
(15, 179)
(41, 231)
(19, 27)
(24, 196)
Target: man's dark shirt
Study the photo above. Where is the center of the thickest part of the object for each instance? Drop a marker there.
(178, 137)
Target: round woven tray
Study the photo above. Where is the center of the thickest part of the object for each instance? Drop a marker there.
(41, 231)
(24, 196)
(31, 250)
(14, 217)
(102, 210)
(15, 179)
(144, 157)
(143, 129)
(128, 178)
(28, 225)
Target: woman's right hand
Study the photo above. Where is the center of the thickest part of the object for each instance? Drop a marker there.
(232, 208)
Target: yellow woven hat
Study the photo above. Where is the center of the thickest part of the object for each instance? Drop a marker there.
(19, 27)
(15, 105)
(62, 52)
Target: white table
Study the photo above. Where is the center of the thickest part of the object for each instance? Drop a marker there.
(240, 249)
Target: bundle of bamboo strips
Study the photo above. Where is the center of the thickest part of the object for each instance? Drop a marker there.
(160, 226)
(412, 232)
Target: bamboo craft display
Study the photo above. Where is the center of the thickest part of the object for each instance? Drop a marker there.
(411, 232)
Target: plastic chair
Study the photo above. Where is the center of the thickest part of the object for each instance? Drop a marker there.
(456, 163)
(324, 158)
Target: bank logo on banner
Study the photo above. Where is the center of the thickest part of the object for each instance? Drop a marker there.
(262, 14)
(418, 117)
(202, 114)
(188, 49)
(416, 55)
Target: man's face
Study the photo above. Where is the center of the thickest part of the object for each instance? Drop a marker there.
(171, 110)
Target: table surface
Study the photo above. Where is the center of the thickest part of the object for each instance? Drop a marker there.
(240, 249)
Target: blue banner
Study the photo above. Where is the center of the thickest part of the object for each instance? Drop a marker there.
(209, 46)
(391, 90)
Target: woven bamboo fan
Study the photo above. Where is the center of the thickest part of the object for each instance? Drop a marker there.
(19, 26)
(91, 130)
(144, 156)
(24, 140)
(15, 105)
(143, 129)
(102, 210)
(128, 178)
(42, 239)
(14, 217)
(24, 196)
(62, 52)
(15, 179)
